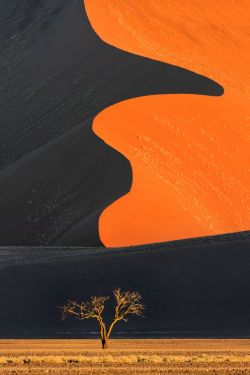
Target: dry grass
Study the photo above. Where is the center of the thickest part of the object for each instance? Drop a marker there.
(125, 357)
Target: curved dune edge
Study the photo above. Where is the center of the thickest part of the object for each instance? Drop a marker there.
(212, 40)
(189, 154)
(190, 177)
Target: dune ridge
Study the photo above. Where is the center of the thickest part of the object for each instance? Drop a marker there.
(56, 75)
(189, 155)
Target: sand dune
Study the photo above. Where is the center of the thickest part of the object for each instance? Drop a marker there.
(56, 75)
(189, 155)
(182, 283)
(190, 176)
(55, 194)
(57, 176)
(210, 40)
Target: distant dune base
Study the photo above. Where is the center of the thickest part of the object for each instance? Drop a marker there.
(192, 288)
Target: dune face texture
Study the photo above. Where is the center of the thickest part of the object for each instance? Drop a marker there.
(114, 130)
(56, 175)
(189, 154)
(190, 168)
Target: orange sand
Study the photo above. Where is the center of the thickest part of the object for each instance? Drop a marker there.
(190, 154)
(209, 37)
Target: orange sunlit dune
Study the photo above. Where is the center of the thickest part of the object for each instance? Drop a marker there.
(209, 38)
(190, 177)
(190, 154)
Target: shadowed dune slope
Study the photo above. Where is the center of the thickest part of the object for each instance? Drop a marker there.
(197, 287)
(56, 74)
(189, 155)
(56, 193)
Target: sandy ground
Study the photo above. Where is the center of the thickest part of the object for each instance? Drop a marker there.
(163, 356)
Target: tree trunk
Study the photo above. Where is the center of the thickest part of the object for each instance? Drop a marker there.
(104, 343)
(104, 337)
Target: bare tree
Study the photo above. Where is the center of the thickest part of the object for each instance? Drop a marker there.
(126, 303)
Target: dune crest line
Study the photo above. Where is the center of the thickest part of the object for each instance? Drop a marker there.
(189, 154)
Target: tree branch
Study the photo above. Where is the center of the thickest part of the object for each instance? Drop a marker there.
(126, 303)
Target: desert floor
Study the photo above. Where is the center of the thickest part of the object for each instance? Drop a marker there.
(163, 356)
